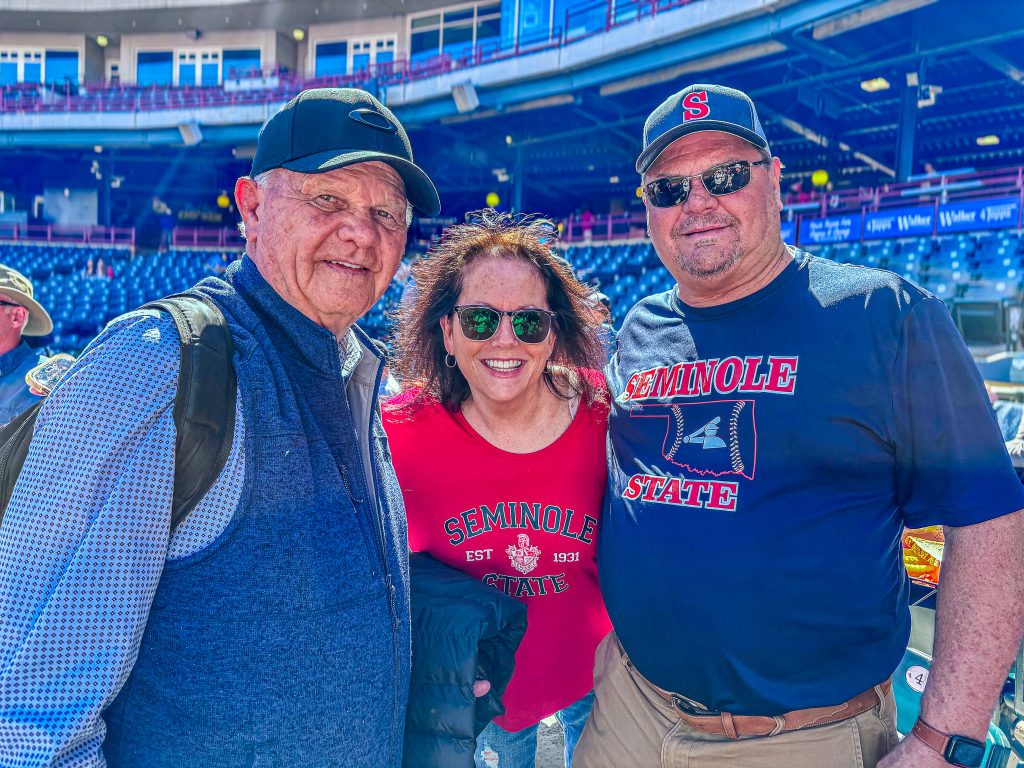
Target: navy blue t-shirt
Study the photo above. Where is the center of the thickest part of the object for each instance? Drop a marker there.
(765, 456)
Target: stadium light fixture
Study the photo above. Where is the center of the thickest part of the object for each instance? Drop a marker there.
(299, 34)
(875, 84)
(989, 140)
(102, 41)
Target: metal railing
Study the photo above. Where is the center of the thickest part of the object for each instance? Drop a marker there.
(54, 233)
(206, 237)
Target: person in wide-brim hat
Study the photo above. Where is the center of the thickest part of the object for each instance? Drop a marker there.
(17, 289)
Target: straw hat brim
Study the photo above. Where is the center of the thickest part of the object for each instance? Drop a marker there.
(39, 322)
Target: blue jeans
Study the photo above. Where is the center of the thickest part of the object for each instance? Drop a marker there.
(498, 748)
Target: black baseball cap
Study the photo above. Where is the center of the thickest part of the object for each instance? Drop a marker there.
(700, 108)
(322, 129)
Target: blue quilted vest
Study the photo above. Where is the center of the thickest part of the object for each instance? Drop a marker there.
(285, 642)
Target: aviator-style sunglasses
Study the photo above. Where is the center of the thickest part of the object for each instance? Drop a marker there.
(720, 180)
(531, 326)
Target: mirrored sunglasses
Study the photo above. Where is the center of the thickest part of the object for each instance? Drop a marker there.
(720, 180)
(531, 326)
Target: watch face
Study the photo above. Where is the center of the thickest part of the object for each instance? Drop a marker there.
(964, 752)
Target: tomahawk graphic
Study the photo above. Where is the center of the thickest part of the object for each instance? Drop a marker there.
(717, 437)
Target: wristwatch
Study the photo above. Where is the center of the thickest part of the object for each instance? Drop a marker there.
(955, 750)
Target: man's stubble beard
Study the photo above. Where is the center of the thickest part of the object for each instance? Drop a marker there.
(728, 256)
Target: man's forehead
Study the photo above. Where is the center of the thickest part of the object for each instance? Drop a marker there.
(373, 175)
(703, 148)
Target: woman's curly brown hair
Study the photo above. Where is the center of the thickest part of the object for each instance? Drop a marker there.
(419, 353)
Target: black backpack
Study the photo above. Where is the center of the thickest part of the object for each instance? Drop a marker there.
(204, 408)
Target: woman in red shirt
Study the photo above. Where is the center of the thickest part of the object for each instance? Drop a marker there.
(499, 447)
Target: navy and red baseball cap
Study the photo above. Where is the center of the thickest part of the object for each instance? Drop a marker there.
(322, 129)
(700, 108)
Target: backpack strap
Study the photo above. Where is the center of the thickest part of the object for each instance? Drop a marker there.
(15, 438)
(204, 408)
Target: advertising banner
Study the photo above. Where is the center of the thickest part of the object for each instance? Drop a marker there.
(899, 222)
(833, 229)
(999, 213)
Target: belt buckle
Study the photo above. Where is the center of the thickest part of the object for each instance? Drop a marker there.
(692, 708)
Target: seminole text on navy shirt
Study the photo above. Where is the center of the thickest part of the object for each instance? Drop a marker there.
(765, 457)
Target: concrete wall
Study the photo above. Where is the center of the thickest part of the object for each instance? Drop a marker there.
(111, 55)
(287, 52)
(94, 69)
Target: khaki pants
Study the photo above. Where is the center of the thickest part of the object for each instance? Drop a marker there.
(631, 726)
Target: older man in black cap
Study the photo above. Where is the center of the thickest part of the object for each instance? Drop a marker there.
(777, 419)
(271, 627)
(20, 315)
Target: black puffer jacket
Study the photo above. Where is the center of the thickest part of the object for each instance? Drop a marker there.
(462, 631)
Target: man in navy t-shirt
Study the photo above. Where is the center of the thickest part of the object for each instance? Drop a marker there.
(777, 420)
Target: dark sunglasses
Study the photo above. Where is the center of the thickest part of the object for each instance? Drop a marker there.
(531, 326)
(721, 180)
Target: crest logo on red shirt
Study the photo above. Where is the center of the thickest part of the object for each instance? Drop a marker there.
(523, 557)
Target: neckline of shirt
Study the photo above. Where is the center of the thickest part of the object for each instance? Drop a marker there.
(461, 421)
(687, 312)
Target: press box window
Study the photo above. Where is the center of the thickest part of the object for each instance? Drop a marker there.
(385, 51)
(331, 58)
(32, 67)
(8, 67)
(155, 68)
(61, 67)
(243, 62)
(456, 33)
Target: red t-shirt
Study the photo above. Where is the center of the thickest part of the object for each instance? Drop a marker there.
(523, 523)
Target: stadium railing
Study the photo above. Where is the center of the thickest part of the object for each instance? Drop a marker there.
(54, 233)
(206, 237)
